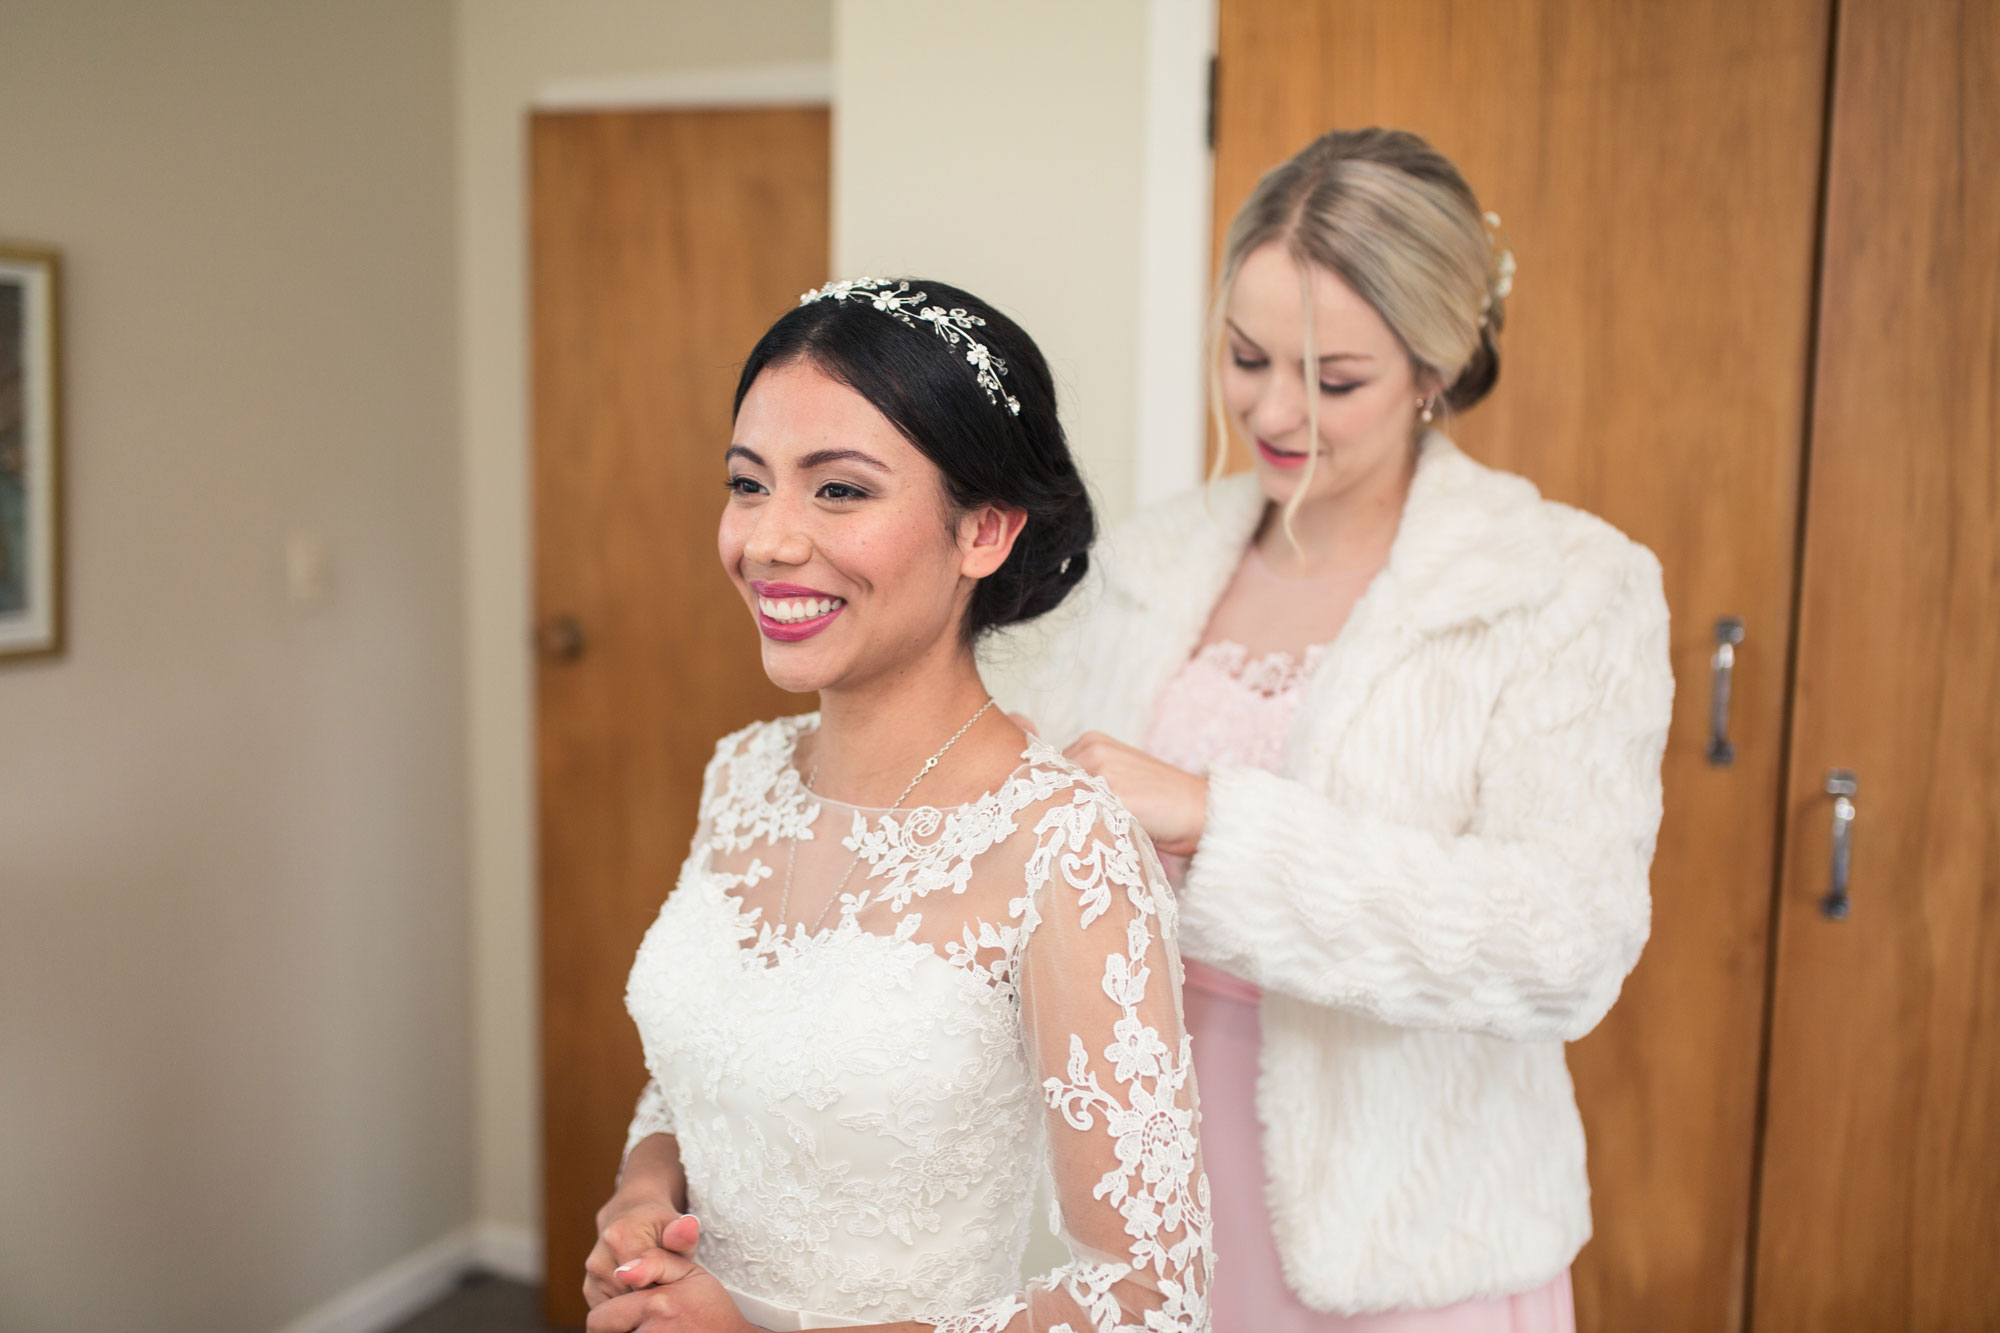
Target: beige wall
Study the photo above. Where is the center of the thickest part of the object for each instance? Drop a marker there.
(233, 973)
(508, 50)
(1005, 156)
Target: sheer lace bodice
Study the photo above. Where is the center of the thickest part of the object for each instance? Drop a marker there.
(864, 1107)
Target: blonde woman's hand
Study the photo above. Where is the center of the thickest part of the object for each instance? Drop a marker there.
(1170, 803)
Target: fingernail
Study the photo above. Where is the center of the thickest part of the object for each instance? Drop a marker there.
(622, 1267)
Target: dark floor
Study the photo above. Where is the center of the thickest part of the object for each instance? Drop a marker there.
(483, 1304)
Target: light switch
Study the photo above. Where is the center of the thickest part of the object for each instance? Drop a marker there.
(308, 569)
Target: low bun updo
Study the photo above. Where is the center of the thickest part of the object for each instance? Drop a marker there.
(1482, 371)
(989, 453)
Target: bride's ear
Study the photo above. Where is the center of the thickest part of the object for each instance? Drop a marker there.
(986, 537)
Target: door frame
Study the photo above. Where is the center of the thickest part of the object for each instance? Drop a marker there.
(1176, 185)
(795, 84)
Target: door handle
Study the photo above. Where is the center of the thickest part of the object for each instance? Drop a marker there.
(560, 639)
(1840, 785)
(1721, 667)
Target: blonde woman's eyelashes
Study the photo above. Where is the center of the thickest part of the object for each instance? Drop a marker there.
(1336, 388)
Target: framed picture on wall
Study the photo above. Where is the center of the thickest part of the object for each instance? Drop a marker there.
(31, 621)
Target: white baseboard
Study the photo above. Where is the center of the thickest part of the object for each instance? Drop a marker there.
(514, 1252)
(410, 1284)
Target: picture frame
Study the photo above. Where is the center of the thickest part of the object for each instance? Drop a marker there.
(31, 548)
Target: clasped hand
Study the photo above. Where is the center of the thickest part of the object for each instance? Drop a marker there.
(641, 1276)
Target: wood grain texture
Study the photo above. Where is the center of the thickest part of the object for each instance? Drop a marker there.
(664, 243)
(1657, 169)
(1881, 1176)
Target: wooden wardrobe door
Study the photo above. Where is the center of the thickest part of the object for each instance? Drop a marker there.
(1657, 168)
(664, 243)
(1880, 1200)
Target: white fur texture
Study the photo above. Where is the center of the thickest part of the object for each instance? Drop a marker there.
(1448, 881)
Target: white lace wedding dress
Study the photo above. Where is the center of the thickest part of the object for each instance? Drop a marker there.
(865, 1108)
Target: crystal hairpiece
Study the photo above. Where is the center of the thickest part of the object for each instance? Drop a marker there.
(955, 326)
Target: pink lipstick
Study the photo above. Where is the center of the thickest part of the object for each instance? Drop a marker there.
(1279, 457)
(788, 612)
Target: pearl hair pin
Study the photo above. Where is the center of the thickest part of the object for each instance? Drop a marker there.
(1501, 284)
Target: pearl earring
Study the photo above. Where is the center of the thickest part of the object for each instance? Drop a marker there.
(1426, 413)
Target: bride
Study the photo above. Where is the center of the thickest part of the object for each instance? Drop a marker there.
(917, 962)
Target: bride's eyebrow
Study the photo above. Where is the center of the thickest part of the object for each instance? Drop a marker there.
(821, 457)
(747, 455)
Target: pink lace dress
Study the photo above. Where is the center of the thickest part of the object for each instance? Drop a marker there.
(1229, 707)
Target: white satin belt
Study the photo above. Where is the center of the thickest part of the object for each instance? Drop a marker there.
(784, 1318)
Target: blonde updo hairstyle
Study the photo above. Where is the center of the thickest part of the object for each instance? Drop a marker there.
(1392, 218)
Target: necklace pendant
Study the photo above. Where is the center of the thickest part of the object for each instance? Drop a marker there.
(791, 857)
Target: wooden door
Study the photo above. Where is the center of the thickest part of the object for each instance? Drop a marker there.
(1657, 169)
(1880, 1204)
(664, 243)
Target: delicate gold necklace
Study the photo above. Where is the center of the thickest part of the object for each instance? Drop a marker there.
(792, 855)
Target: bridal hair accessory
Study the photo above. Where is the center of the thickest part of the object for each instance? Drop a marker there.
(1501, 283)
(955, 326)
(792, 856)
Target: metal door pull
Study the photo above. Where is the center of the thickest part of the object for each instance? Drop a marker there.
(1840, 785)
(1728, 633)
(560, 639)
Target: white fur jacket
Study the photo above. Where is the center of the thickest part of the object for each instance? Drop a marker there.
(1447, 882)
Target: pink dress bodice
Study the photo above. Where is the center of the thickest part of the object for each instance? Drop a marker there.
(1230, 706)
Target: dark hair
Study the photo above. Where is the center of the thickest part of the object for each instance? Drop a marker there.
(988, 455)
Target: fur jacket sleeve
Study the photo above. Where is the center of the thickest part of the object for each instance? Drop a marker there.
(1522, 925)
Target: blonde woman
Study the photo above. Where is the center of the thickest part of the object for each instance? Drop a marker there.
(1404, 719)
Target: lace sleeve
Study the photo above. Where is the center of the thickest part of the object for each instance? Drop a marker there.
(1100, 1011)
(650, 1117)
